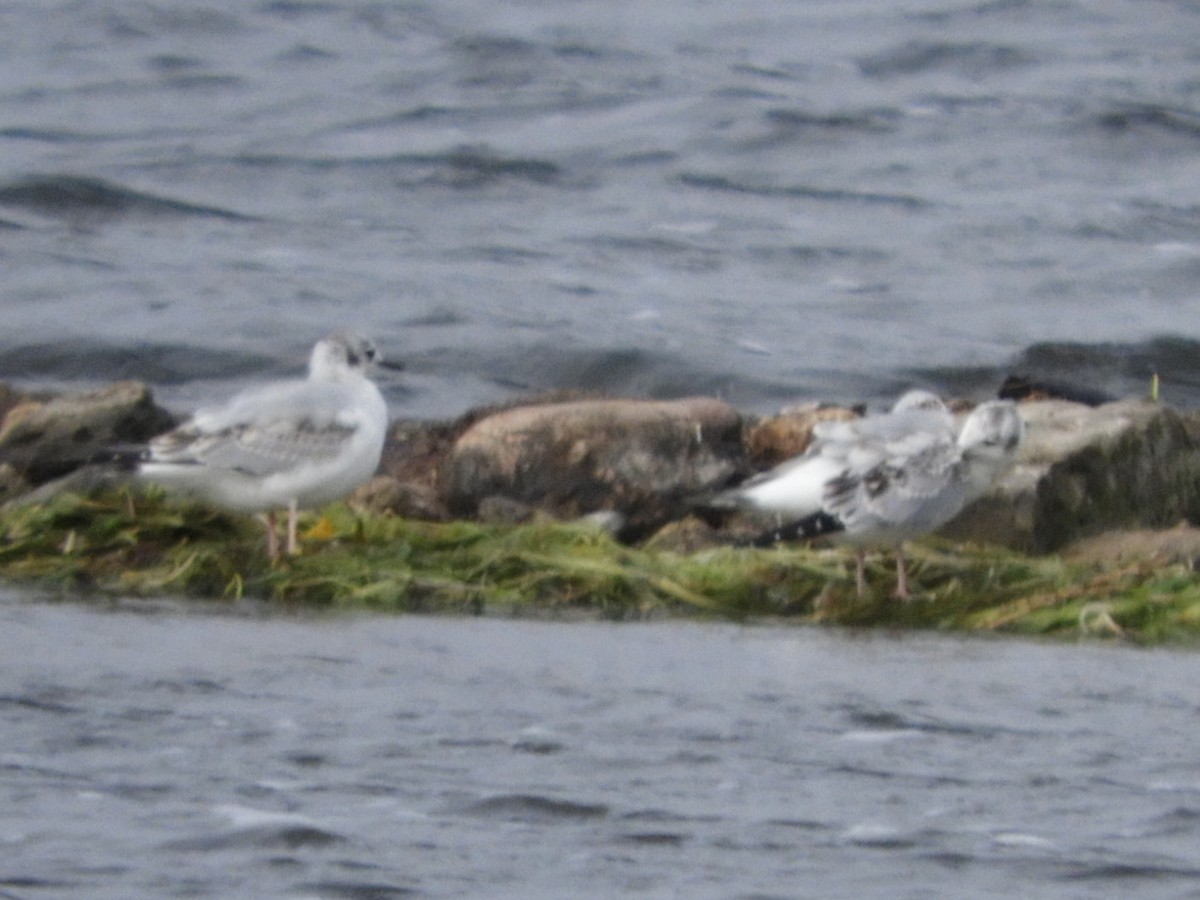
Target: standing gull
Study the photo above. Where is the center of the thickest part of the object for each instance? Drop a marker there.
(884, 479)
(290, 443)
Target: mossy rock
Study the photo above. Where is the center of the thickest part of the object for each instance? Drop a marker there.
(120, 544)
(1086, 470)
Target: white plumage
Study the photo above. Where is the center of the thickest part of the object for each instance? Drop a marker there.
(884, 479)
(287, 444)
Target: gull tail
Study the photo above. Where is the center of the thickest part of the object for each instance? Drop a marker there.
(817, 525)
(126, 458)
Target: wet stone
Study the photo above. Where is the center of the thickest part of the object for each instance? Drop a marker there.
(1085, 470)
(647, 460)
(45, 440)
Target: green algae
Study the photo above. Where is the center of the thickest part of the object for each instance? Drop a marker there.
(122, 544)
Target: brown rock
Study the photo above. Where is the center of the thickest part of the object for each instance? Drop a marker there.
(772, 440)
(9, 397)
(688, 535)
(414, 455)
(499, 510)
(414, 451)
(407, 499)
(42, 441)
(11, 483)
(646, 459)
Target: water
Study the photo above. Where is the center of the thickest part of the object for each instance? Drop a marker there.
(152, 751)
(766, 201)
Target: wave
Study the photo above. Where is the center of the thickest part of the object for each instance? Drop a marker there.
(807, 192)
(615, 371)
(798, 121)
(534, 808)
(93, 360)
(79, 198)
(464, 166)
(1091, 373)
(1149, 117)
(973, 59)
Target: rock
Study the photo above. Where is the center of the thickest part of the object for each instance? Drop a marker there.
(645, 459)
(640, 465)
(1021, 387)
(407, 499)
(774, 439)
(688, 535)
(10, 397)
(609, 521)
(11, 483)
(84, 480)
(497, 510)
(46, 440)
(1086, 470)
(1180, 544)
(414, 451)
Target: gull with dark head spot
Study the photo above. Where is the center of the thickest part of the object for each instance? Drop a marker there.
(288, 444)
(884, 479)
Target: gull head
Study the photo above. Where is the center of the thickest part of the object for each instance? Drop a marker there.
(989, 441)
(994, 428)
(344, 355)
(919, 400)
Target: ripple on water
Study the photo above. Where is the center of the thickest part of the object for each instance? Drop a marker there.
(532, 808)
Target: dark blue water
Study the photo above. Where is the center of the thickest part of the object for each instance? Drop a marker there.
(766, 201)
(152, 752)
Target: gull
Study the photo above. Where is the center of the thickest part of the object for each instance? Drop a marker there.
(885, 479)
(286, 444)
(796, 487)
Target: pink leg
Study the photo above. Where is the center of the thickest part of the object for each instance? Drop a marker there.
(901, 574)
(860, 570)
(293, 546)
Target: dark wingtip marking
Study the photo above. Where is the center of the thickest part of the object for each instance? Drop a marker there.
(816, 525)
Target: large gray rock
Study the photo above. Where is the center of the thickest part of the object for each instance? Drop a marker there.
(41, 441)
(1085, 470)
(647, 460)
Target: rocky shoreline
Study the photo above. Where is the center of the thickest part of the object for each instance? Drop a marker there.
(595, 504)
(642, 468)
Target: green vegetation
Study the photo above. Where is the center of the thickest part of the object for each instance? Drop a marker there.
(121, 544)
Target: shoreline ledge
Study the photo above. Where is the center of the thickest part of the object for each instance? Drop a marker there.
(569, 506)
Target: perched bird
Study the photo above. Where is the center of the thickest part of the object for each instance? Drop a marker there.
(796, 488)
(884, 479)
(286, 444)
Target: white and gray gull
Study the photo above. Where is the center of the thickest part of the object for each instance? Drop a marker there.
(290, 444)
(884, 479)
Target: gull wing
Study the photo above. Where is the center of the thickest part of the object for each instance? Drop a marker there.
(910, 486)
(263, 432)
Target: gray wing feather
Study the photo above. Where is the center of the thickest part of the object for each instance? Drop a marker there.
(910, 486)
(263, 431)
(259, 449)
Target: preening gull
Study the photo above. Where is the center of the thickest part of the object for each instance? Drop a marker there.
(884, 479)
(287, 444)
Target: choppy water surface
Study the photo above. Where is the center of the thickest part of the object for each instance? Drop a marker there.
(160, 753)
(766, 200)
